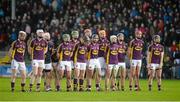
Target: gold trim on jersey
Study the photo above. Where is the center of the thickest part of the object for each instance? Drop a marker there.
(108, 55)
(75, 56)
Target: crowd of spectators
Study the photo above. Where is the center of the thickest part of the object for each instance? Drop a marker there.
(152, 17)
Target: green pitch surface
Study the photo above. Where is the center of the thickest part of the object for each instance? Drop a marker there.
(170, 92)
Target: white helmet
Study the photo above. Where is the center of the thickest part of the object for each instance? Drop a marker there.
(113, 38)
(39, 32)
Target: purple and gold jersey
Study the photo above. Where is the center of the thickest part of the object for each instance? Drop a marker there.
(112, 54)
(74, 45)
(80, 53)
(136, 46)
(93, 51)
(155, 53)
(65, 51)
(18, 50)
(38, 48)
(103, 43)
(121, 51)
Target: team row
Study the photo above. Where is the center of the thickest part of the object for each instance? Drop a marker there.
(85, 55)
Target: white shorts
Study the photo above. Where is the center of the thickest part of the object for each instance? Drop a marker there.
(94, 63)
(18, 65)
(102, 62)
(81, 66)
(122, 65)
(135, 63)
(38, 63)
(72, 65)
(154, 66)
(113, 67)
(48, 66)
(65, 65)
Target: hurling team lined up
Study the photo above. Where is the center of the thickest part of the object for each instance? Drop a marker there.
(86, 54)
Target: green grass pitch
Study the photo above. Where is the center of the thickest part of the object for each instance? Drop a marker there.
(170, 92)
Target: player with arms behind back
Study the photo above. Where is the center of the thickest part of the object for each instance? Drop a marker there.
(155, 61)
(121, 59)
(135, 55)
(111, 61)
(65, 52)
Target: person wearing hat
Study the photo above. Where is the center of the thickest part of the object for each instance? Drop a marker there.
(16, 53)
(37, 50)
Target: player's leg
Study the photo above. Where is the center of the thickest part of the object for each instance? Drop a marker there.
(38, 80)
(81, 76)
(34, 74)
(122, 76)
(48, 79)
(113, 78)
(151, 76)
(81, 80)
(131, 77)
(89, 74)
(159, 73)
(14, 67)
(61, 69)
(98, 78)
(76, 77)
(23, 76)
(107, 77)
(13, 78)
(137, 74)
(56, 76)
(68, 77)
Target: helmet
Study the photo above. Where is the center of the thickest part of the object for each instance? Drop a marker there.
(113, 38)
(156, 38)
(22, 35)
(39, 32)
(75, 34)
(120, 36)
(66, 37)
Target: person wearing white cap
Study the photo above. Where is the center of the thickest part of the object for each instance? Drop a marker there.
(37, 49)
(111, 61)
(16, 53)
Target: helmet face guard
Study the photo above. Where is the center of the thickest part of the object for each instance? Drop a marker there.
(40, 33)
(66, 37)
(157, 39)
(95, 38)
(22, 35)
(120, 37)
(113, 38)
(75, 34)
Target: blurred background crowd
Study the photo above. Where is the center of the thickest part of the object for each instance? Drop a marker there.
(160, 17)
